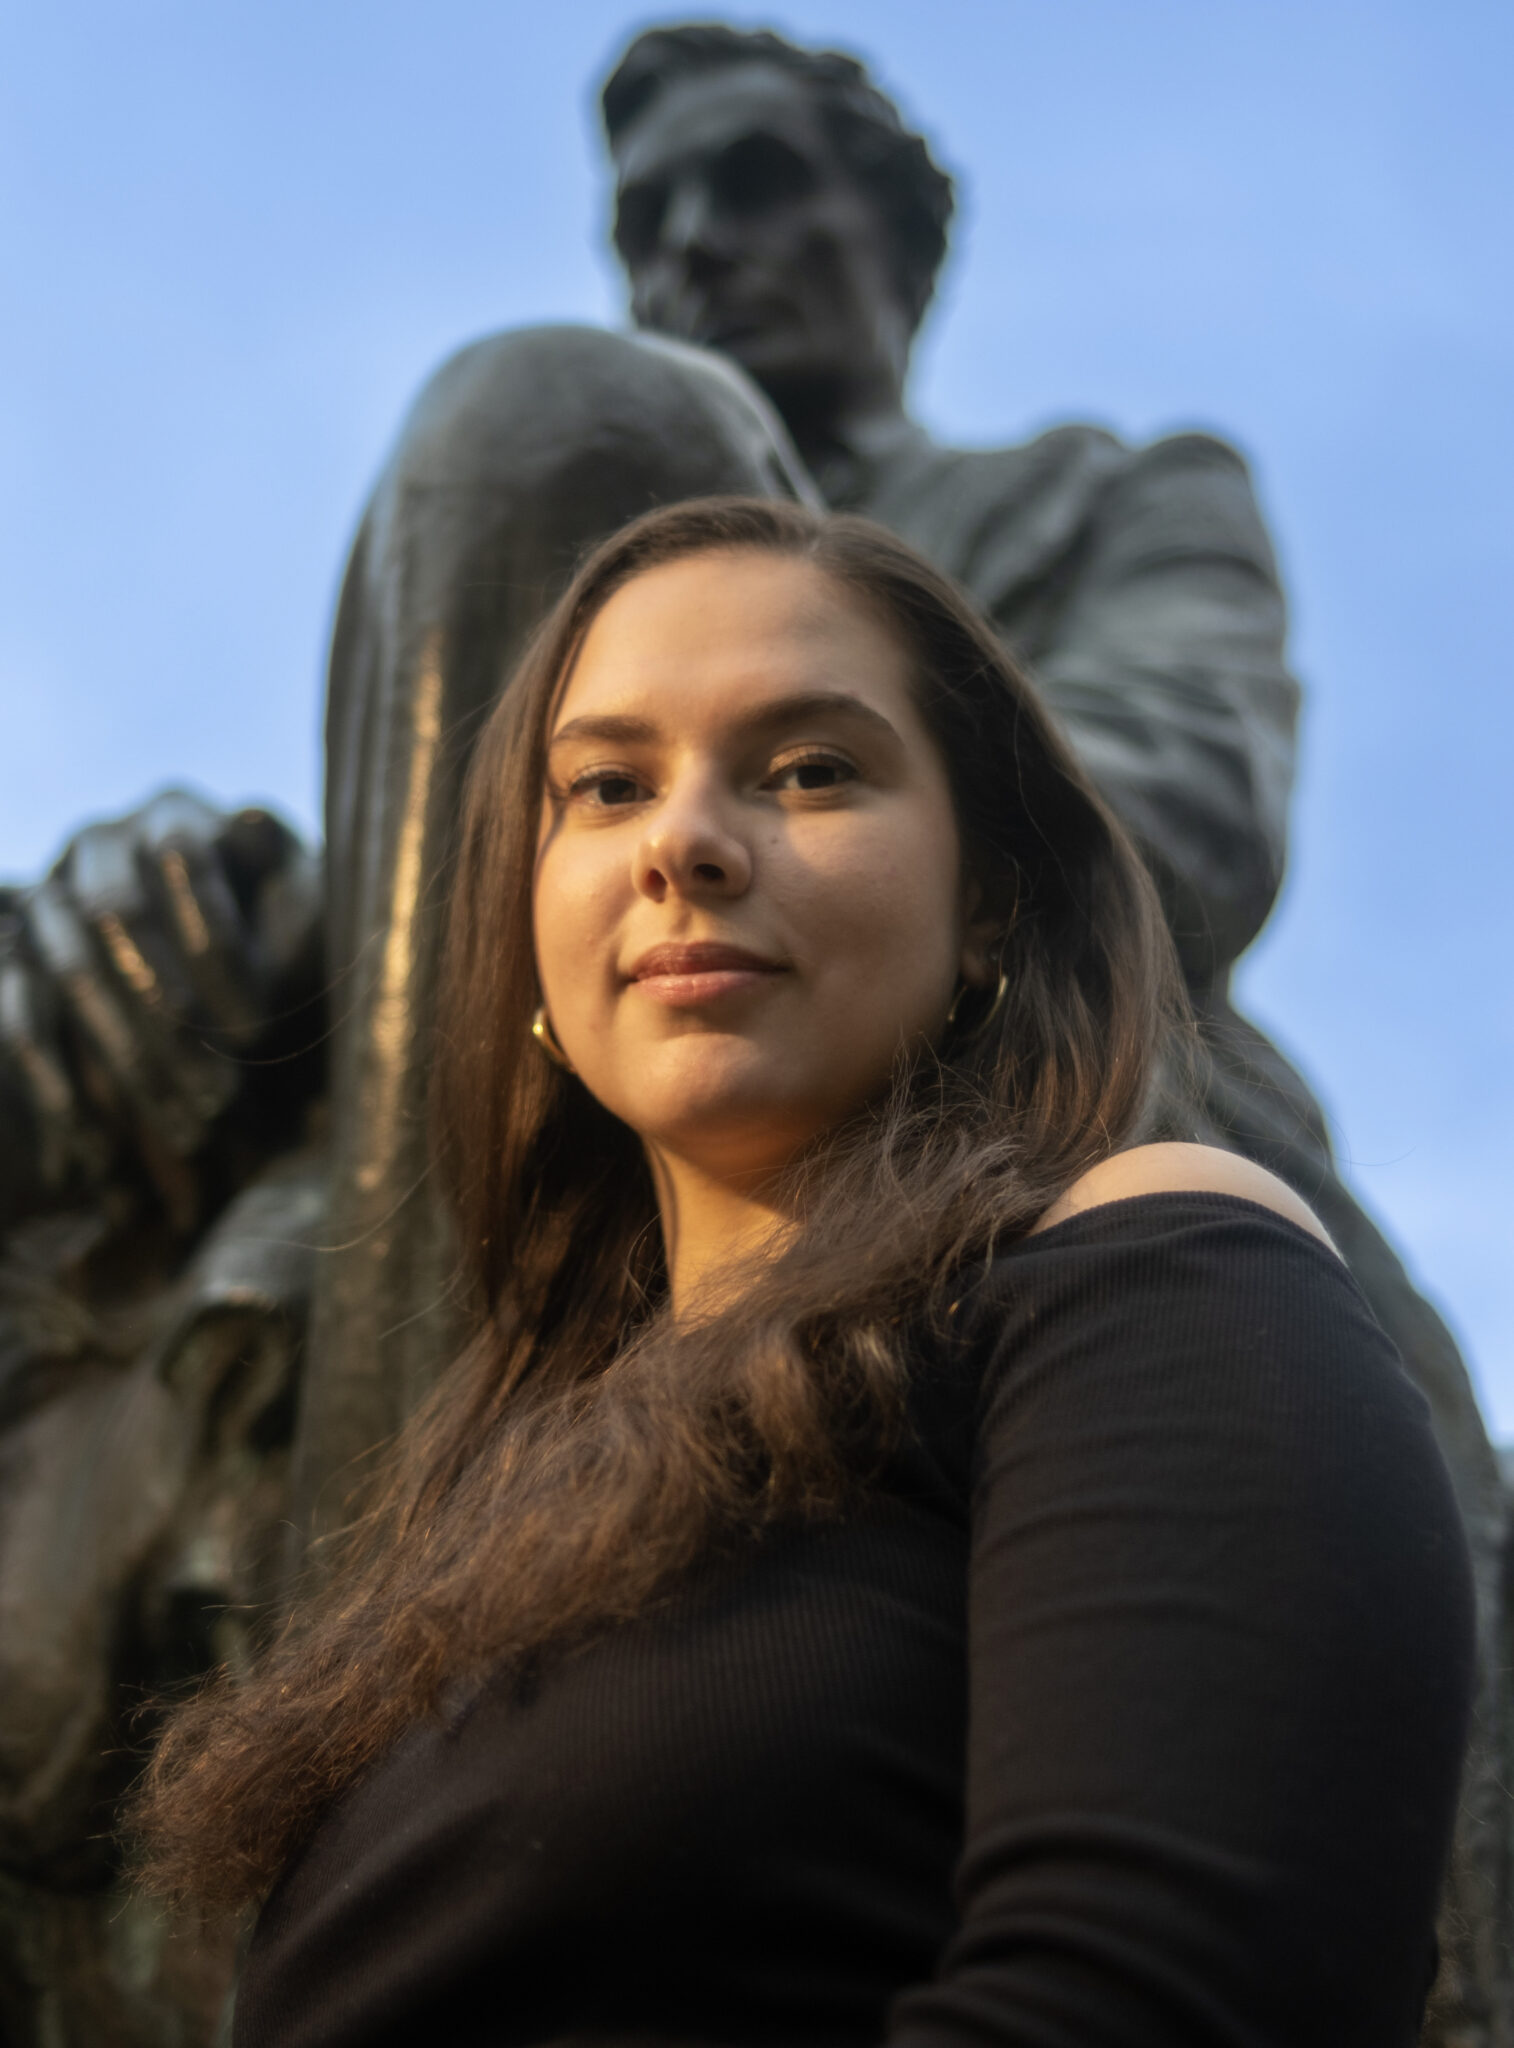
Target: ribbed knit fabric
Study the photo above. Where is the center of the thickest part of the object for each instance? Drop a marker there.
(1130, 1711)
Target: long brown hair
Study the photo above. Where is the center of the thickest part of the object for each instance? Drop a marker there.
(583, 1450)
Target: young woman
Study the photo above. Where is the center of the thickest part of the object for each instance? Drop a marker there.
(901, 1559)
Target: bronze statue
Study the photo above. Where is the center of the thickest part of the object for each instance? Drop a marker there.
(182, 1178)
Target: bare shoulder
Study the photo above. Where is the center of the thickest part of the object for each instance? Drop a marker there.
(1182, 1169)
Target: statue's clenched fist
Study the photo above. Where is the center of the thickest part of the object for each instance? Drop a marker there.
(136, 982)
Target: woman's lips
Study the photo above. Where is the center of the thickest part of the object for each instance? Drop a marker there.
(686, 976)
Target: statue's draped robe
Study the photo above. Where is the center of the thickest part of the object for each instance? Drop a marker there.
(1139, 588)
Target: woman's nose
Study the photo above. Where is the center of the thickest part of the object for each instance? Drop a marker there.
(690, 849)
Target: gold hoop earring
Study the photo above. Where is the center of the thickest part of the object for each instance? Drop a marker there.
(1002, 988)
(1000, 992)
(998, 1002)
(546, 1038)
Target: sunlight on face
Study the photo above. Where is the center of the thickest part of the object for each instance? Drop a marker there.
(749, 886)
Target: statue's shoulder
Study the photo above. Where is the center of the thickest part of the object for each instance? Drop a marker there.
(1072, 447)
(1005, 519)
(1188, 487)
(1070, 474)
(1191, 450)
(1187, 491)
(1082, 447)
(968, 487)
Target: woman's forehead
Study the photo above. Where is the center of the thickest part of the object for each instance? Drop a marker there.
(721, 629)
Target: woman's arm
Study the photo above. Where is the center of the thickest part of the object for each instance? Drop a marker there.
(1220, 1646)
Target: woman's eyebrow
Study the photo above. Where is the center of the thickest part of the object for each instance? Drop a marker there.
(608, 727)
(612, 727)
(805, 704)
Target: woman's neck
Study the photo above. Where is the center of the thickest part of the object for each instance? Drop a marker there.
(713, 1226)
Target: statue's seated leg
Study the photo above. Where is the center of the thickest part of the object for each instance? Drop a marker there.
(523, 451)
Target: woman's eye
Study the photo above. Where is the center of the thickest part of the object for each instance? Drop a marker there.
(604, 788)
(813, 772)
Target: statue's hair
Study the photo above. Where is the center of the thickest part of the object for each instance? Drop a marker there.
(893, 165)
(584, 1450)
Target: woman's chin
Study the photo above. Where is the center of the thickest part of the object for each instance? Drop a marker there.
(727, 1121)
(708, 1095)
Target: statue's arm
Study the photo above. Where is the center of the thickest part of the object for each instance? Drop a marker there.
(157, 982)
(1163, 654)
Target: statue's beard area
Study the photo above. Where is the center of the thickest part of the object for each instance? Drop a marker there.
(818, 354)
(814, 399)
(819, 397)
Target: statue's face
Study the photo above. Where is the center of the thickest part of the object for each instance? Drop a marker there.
(743, 231)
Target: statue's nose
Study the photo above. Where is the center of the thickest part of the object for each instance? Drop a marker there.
(690, 225)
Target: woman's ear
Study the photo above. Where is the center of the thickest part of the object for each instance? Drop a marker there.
(980, 953)
(982, 943)
(984, 933)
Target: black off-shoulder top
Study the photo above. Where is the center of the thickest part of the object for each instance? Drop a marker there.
(1128, 1710)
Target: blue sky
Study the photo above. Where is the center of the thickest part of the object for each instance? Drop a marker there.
(237, 238)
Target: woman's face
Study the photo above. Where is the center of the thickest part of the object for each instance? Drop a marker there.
(749, 886)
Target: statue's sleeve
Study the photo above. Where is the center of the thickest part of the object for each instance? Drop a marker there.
(1162, 653)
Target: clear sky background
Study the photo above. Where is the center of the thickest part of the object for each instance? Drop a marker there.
(236, 237)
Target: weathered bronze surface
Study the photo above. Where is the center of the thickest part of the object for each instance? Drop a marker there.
(184, 1188)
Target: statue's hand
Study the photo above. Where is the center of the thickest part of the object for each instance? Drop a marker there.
(131, 979)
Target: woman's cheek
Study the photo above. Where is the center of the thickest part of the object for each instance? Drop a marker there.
(576, 907)
(870, 909)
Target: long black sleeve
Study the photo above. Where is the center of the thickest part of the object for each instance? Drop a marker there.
(1219, 1641)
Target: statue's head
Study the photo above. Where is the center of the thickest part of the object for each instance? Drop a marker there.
(772, 204)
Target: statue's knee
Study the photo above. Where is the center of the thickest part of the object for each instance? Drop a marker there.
(576, 410)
